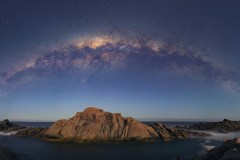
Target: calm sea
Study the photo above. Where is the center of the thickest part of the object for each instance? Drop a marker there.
(35, 124)
(36, 149)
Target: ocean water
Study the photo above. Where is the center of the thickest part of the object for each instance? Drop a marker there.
(34, 124)
(48, 124)
(36, 149)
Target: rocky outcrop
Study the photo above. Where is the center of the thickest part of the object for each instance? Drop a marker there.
(6, 126)
(95, 125)
(223, 126)
(229, 150)
(31, 132)
(6, 154)
(167, 133)
(22, 131)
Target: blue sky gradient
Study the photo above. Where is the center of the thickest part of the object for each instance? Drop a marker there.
(152, 60)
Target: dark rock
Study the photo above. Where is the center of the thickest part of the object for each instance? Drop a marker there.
(229, 150)
(31, 132)
(6, 126)
(224, 126)
(6, 154)
(166, 133)
(226, 120)
(5, 122)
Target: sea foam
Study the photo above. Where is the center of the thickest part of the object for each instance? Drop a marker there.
(7, 133)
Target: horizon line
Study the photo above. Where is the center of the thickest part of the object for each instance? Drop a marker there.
(141, 120)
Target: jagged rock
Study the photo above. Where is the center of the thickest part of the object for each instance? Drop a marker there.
(229, 150)
(95, 125)
(6, 154)
(223, 126)
(31, 132)
(167, 133)
(6, 126)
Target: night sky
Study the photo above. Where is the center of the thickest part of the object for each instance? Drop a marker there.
(149, 59)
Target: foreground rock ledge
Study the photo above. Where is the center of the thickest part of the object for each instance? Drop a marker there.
(229, 150)
(95, 125)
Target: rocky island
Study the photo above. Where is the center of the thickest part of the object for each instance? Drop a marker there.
(95, 125)
(224, 126)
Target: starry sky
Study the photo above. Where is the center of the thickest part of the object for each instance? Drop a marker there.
(152, 60)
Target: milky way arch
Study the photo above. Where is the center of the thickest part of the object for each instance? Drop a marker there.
(93, 54)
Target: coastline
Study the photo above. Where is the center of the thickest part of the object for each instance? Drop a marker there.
(165, 150)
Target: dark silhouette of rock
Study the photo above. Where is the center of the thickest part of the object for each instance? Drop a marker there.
(5, 122)
(6, 154)
(229, 150)
(227, 121)
(223, 126)
(95, 125)
(6, 126)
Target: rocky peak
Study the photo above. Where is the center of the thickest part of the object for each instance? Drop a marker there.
(96, 125)
(90, 110)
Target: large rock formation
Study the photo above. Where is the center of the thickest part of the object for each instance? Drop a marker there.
(6, 126)
(95, 125)
(6, 154)
(223, 126)
(229, 150)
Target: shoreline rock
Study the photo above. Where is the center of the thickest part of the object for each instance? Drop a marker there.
(224, 126)
(229, 150)
(6, 126)
(166, 133)
(31, 132)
